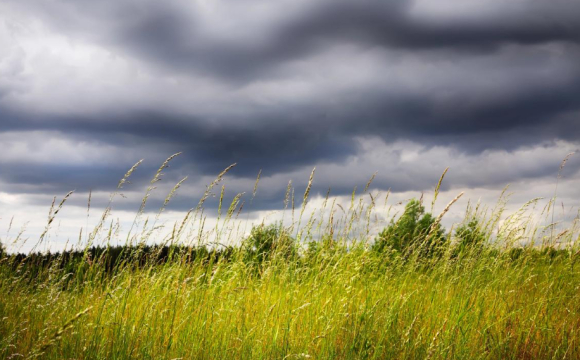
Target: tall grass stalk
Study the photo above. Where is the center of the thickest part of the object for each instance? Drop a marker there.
(514, 296)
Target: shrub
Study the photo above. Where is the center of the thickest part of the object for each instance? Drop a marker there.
(412, 232)
(264, 242)
(471, 238)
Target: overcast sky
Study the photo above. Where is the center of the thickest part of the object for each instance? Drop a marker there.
(490, 88)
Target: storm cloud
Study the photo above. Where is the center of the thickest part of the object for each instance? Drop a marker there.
(87, 88)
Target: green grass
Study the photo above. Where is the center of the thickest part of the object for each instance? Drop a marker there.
(334, 305)
(339, 300)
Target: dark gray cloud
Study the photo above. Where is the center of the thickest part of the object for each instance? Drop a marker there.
(180, 35)
(283, 87)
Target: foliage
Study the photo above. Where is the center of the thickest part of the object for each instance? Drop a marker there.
(267, 241)
(471, 237)
(109, 260)
(414, 232)
(325, 246)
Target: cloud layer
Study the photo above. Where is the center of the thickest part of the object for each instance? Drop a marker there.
(87, 88)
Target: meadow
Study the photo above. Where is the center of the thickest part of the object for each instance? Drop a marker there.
(496, 286)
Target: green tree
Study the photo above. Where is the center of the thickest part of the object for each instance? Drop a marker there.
(2, 250)
(266, 241)
(471, 238)
(415, 230)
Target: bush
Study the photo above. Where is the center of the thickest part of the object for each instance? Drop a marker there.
(410, 233)
(471, 238)
(265, 242)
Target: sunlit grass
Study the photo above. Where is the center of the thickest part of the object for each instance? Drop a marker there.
(338, 299)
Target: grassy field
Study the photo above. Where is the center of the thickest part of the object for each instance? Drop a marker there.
(284, 295)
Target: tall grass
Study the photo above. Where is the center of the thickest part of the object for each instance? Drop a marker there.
(203, 296)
